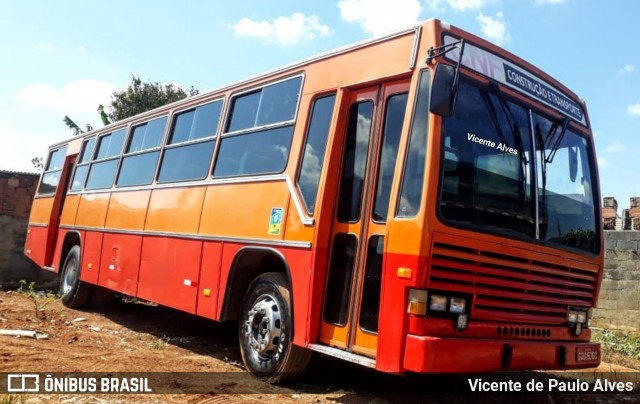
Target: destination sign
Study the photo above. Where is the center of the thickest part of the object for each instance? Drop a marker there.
(511, 75)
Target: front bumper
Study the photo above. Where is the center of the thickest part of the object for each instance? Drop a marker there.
(441, 355)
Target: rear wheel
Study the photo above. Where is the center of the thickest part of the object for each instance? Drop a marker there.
(74, 293)
(265, 331)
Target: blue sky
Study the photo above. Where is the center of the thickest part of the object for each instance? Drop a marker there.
(66, 57)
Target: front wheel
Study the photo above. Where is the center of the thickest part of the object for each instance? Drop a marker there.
(265, 331)
(74, 293)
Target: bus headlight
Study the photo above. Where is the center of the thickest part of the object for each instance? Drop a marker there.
(438, 303)
(578, 315)
(582, 317)
(417, 302)
(458, 305)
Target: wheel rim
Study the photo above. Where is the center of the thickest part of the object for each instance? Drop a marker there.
(263, 327)
(70, 275)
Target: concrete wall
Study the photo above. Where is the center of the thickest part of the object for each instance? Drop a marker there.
(16, 196)
(619, 302)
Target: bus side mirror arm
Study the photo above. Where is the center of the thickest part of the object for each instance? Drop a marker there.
(445, 86)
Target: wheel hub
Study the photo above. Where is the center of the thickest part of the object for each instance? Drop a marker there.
(263, 326)
(69, 276)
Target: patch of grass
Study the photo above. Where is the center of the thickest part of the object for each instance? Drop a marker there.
(40, 299)
(12, 399)
(160, 343)
(619, 344)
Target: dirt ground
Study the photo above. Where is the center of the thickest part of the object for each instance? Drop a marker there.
(133, 337)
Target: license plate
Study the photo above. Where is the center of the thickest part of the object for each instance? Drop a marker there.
(587, 354)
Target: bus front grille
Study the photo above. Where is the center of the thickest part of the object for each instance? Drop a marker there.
(511, 284)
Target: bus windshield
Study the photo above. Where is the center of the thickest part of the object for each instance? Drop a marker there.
(509, 169)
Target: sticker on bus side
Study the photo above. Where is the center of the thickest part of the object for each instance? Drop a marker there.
(275, 221)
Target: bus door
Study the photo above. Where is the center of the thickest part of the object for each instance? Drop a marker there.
(352, 291)
(56, 211)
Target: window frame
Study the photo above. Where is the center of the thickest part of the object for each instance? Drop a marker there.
(426, 75)
(168, 131)
(127, 143)
(57, 170)
(256, 129)
(80, 164)
(350, 210)
(117, 157)
(533, 107)
(131, 131)
(378, 161)
(234, 96)
(305, 139)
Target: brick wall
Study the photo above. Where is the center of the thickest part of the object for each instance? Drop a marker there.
(619, 302)
(609, 212)
(16, 195)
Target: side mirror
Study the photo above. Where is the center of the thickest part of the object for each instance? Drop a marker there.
(443, 90)
(573, 163)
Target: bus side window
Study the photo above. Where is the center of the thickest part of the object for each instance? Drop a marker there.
(268, 105)
(262, 152)
(314, 149)
(264, 119)
(415, 159)
(82, 168)
(103, 169)
(187, 155)
(52, 171)
(141, 157)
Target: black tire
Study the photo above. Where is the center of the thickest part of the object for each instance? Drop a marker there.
(265, 331)
(73, 292)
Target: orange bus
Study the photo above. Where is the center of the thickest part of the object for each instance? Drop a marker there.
(420, 202)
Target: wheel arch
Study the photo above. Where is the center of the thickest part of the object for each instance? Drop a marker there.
(247, 265)
(71, 238)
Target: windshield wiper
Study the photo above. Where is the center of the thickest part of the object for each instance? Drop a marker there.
(553, 142)
(558, 140)
(515, 132)
(494, 116)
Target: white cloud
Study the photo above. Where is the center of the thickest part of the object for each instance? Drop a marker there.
(77, 96)
(458, 5)
(283, 30)
(616, 147)
(466, 5)
(435, 5)
(19, 147)
(550, 1)
(494, 29)
(47, 47)
(626, 69)
(378, 17)
(634, 109)
(602, 162)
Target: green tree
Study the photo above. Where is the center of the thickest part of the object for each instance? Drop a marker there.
(74, 127)
(140, 97)
(137, 98)
(38, 163)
